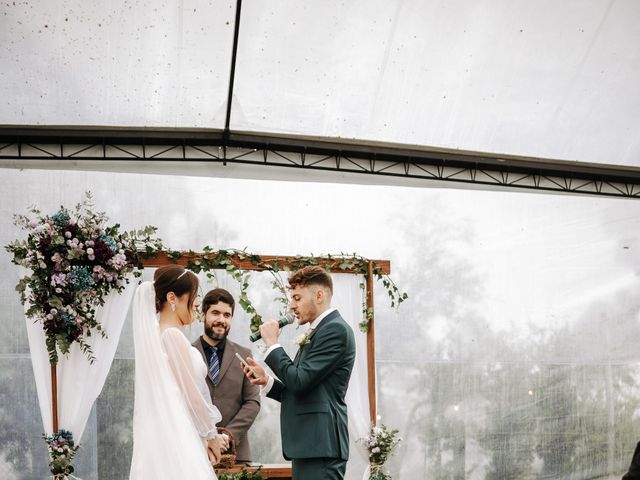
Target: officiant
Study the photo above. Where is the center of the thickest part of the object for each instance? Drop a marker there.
(237, 399)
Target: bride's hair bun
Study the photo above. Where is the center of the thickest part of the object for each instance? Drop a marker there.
(176, 279)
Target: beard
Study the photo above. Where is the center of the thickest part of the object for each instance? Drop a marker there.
(208, 331)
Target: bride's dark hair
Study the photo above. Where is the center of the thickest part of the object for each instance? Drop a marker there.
(176, 279)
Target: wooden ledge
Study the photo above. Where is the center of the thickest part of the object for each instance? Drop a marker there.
(269, 470)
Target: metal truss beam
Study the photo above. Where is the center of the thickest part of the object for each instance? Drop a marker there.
(145, 145)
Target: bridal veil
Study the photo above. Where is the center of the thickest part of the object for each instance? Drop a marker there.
(166, 443)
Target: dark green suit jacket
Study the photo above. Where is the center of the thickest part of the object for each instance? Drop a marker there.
(634, 469)
(311, 389)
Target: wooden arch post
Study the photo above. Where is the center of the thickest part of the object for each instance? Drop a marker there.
(54, 396)
(371, 347)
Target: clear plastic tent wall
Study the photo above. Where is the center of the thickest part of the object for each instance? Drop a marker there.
(515, 356)
(516, 353)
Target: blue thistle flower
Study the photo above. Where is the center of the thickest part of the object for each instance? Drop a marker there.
(110, 242)
(61, 218)
(69, 320)
(80, 278)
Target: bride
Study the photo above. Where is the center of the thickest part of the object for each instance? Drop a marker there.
(174, 422)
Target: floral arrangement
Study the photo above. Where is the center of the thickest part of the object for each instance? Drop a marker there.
(380, 443)
(75, 259)
(61, 451)
(303, 339)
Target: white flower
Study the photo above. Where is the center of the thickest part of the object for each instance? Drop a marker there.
(303, 339)
(375, 449)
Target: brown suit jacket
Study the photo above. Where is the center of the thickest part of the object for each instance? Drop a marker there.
(236, 398)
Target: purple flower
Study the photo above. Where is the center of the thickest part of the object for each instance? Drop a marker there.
(58, 279)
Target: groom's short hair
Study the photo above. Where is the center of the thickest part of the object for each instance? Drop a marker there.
(311, 275)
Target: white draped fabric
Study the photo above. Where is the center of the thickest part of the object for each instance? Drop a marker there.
(79, 382)
(347, 298)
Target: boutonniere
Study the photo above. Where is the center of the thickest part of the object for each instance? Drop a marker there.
(303, 339)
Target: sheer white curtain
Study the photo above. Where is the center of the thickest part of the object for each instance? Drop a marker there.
(347, 298)
(79, 382)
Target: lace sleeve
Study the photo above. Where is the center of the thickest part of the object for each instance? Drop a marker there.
(203, 413)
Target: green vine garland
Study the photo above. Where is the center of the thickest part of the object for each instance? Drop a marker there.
(210, 260)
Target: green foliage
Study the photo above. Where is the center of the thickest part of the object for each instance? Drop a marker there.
(228, 259)
(242, 475)
(367, 314)
(210, 261)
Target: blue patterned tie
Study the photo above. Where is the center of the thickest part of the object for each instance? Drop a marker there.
(214, 365)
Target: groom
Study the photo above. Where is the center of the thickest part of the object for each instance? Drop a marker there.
(312, 386)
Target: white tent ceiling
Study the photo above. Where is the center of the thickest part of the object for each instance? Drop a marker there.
(550, 79)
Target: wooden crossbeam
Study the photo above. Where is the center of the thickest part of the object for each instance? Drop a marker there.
(283, 262)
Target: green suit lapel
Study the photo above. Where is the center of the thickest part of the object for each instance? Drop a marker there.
(302, 351)
(298, 356)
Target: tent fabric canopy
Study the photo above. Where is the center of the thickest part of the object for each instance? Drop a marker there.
(545, 79)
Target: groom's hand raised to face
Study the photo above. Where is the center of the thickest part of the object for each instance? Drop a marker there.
(260, 377)
(270, 332)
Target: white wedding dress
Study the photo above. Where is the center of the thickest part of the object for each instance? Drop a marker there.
(173, 414)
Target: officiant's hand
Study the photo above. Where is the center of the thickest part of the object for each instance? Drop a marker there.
(270, 332)
(260, 377)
